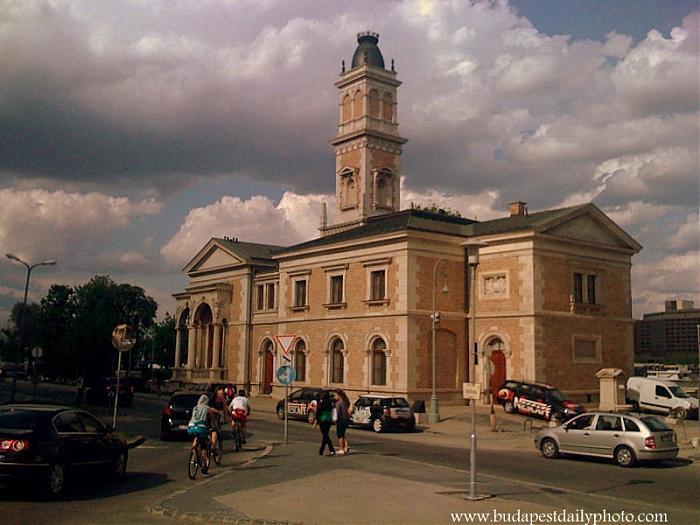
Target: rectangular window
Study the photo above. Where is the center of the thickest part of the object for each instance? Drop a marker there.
(270, 296)
(299, 293)
(336, 289)
(378, 281)
(578, 287)
(585, 350)
(590, 280)
(260, 300)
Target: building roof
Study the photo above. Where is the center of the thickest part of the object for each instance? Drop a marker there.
(367, 52)
(248, 250)
(521, 222)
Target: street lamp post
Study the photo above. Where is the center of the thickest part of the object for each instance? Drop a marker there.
(434, 414)
(473, 262)
(20, 347)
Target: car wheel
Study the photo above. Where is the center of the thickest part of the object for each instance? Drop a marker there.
(411, 427)
(378, 425)
(549, 448)
(311, 417)
(624, 456)
(57, 480)
(118, 470)
(508, 407)
(280, 412)
(679, 413)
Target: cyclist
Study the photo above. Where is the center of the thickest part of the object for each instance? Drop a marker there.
(200, 426)
(217, 403)
(240, 409)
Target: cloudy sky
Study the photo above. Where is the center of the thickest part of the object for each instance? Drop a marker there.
(133, 131)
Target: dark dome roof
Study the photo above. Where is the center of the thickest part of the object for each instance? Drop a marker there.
(367, 51)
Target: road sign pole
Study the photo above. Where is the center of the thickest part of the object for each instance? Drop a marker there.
(116, 393)
(286, 416)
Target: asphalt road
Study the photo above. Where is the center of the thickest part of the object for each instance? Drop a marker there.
(157, 470)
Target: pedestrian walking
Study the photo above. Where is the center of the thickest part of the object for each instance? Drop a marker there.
(324, 419)
(342, 408)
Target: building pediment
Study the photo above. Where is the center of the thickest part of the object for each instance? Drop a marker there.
(212, 257)
(590, 225)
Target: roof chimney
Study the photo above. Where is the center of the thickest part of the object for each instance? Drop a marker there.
(518, 208)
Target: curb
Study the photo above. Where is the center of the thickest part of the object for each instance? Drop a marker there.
(134, 442)
(215, 517)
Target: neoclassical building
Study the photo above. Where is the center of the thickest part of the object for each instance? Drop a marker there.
(552, 295)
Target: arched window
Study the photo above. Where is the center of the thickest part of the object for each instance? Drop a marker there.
(384, 189)
(388, 108)
(300, 360)
(347, 108)
(337, 361)
(357, 104)
(374, 103)
(494, 345)
(378, 361)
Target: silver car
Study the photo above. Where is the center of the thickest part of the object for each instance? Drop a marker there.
(624, 437)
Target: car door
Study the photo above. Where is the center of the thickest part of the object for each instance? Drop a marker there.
(577, 434)
(606, 435)
(96, 439)
(296, 407)
(361, 414)
(663, 400)
(72, 440)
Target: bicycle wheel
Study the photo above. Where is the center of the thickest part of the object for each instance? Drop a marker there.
(193, 463)
(218, 451)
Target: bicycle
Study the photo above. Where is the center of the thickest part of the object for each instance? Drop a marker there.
(237, 432)
(195, 461)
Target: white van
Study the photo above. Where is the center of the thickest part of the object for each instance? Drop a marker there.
(660, 395)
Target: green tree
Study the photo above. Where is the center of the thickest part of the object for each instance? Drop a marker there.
(57, 325)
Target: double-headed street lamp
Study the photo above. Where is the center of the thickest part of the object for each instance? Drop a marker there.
(434, 413)
(473, 356)
(20, 347)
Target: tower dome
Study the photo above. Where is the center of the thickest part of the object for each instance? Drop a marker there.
(367, 51)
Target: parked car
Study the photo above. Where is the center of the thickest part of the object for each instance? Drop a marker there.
(301, 404)
(661, 396)
(536, 399)
(177, 413)
(42, 444)
(625, 438)
(380, 412)
(100, 392)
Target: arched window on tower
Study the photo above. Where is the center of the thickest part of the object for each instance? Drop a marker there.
(388, 108)
(357, 104)
(374, 103)
(348, 189)
(384, 189)
(347, 108)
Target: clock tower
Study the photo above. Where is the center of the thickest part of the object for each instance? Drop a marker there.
(368, 144)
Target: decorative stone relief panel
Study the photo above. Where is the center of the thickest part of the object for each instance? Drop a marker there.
(494, 285)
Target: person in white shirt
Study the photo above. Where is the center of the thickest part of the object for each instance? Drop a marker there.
(240, 409)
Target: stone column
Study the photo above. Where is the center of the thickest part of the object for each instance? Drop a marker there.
(178, 350)
(191, 346)
(217, 346)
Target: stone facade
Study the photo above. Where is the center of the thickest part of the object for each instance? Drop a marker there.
(553, 292)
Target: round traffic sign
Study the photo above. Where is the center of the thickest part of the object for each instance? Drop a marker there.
(286, 374)
(37, 352)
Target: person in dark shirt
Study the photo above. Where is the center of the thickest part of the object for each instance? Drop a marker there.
(324, 419)
(342, 407)
(218, 403)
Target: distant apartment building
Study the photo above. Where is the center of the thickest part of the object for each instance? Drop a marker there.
(673, 331)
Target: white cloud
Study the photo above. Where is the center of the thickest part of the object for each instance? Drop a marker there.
(687, 236)
(69, 227)
(674, 275)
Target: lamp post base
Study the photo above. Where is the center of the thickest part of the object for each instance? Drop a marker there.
(434, 410)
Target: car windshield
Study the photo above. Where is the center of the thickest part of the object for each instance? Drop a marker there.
(395, 402)
(654, 424)
(555, 395)
(676, 391)
(18, 420)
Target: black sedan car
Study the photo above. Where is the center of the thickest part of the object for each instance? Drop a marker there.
(177, 414)
(301, 404)
(43, 444)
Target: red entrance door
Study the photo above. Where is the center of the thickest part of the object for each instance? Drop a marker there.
(269, 370)
(498, 372)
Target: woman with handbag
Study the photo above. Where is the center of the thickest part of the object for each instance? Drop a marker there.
(324, 419)
(342, 407)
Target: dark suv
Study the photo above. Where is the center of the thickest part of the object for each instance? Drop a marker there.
(536, 399)
(381, 412)
(301, 404)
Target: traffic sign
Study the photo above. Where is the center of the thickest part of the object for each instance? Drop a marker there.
(37, 352)
(285, 342)
(123, 338)
(286, 374)
(285, 360)
(471, 390)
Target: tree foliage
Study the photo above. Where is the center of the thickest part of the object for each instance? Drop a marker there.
(74, 325)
